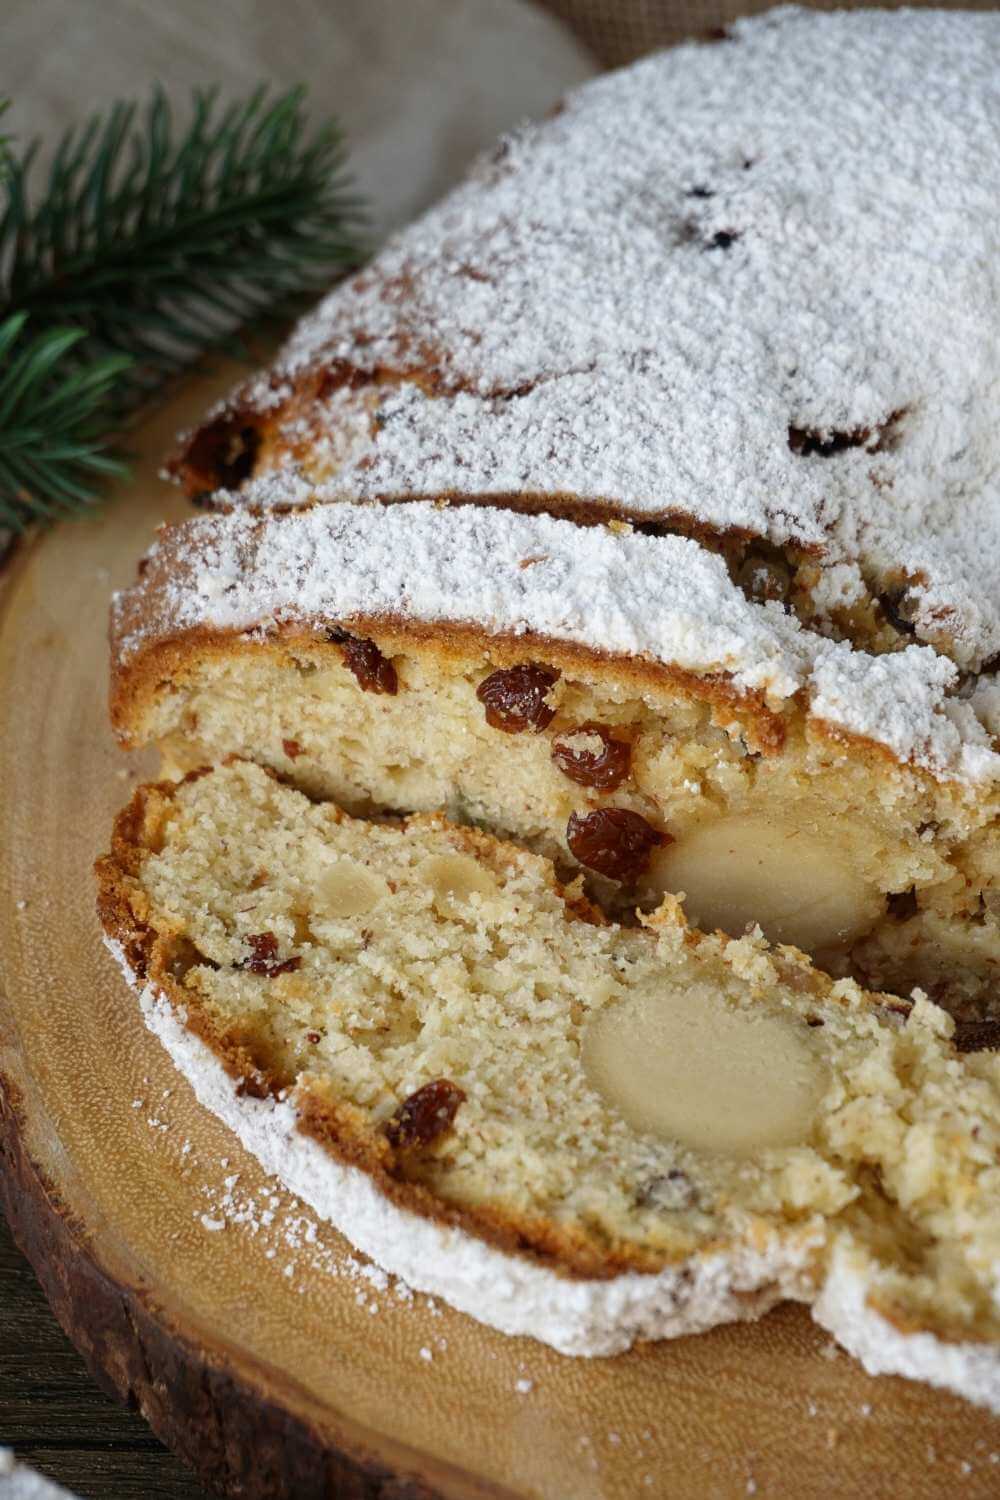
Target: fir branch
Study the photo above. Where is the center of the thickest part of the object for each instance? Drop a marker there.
(54, 451)
(157, 247)
(153, 245)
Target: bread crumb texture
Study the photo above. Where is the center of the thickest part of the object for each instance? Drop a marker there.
(428, 999)
(881, 871)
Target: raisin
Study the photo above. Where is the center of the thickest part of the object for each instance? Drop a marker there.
(292, 749)
(514, 698)
(312, 1036)
(263, 952)
(613, 841)
(807, 442)
(722, 239)
(977, 1036)
(893, 605)
(901, 905)
(604, 769)
(221, 456)
(425, 1115)
(374, 673)
(764, 578)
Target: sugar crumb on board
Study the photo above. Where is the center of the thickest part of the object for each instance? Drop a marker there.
(286, 1231)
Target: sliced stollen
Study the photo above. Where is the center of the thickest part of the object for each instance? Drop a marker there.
(743, 298)
(749, 292)
(586, 1133)
(610, 699)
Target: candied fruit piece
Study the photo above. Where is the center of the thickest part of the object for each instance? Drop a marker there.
(292, 749)
(425, 1115)
(591, 756)
(514, 698)
(263, 953)
(374, 672)
(613, 841)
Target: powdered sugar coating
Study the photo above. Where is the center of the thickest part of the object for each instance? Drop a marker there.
(663, 599)
(579, 1317)
(845, 1308)
(643, 300)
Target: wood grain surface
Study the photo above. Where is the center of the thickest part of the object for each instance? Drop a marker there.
(244, 1330)
(58, 1419)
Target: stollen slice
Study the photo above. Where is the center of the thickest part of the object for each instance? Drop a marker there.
(569, 1129)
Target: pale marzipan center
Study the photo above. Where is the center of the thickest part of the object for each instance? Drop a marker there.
(683, 1064)
(801, 888)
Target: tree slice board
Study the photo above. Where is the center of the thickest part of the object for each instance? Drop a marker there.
(252, 1339)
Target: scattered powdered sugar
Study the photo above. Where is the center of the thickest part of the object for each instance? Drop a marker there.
(287, 1232)
(664, 599)
(756, 285)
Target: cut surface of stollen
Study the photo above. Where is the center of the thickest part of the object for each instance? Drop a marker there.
(611, 700)
(570, 1129)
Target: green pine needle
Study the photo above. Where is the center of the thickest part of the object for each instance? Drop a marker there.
(54, 449)
(145, 248)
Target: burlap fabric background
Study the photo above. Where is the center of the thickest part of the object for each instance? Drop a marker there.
(616, 31)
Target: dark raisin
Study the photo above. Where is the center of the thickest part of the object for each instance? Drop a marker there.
(901, 905)
(292, 749)
(809, 442)
(374, 672)
(977, 1036)
(892, 607)
(425, 1115)
(221, 456)
(514, 698)
(312, 1036)
(763, 578)
(722, 239)
(613, 841)
(604, 769)
(263, 952)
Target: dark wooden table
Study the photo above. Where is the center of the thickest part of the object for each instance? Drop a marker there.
(55, 1417)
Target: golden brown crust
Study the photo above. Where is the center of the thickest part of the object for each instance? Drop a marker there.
(337, 1126)
(135, 680)
(137, 676)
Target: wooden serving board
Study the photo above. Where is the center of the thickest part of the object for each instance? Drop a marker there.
(244, 1330)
